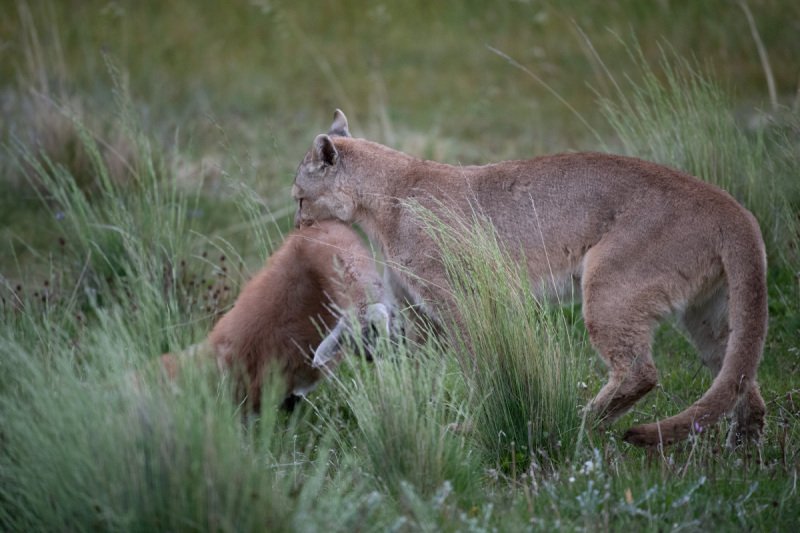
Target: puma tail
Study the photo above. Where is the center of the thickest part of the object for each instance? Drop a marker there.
(744, 263)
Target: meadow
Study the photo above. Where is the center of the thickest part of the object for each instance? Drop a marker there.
(148, 149)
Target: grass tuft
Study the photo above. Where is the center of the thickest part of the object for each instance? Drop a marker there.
(406, 413)
(521, 361)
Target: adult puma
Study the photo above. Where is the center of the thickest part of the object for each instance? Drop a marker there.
(643, 241)
(311, 284)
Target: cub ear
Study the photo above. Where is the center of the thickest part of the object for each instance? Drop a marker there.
(330, 346)
(378, 315)
(324, 150)
(339, 126)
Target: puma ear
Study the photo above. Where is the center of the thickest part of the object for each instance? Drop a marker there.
(339, 126)
(324, 150)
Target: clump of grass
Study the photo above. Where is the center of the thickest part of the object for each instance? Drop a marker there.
(119, 241)
(520, 359)
(52, 121)
(55, 133)
(96, 452)
(148, 206)
(405, 411)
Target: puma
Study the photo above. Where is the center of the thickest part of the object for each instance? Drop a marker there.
(639, 240)
(311, 284)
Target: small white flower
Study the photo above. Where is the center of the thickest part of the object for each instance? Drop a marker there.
(572, 479)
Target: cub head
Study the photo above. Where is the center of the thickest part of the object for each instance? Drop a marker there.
(319, 188)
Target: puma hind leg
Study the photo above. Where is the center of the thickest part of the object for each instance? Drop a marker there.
(632, 374)
(624, 344)
(620, 325)
(707, 324)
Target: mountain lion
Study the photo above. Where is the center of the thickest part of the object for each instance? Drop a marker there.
(641, 241)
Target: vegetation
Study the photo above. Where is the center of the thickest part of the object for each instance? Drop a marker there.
(147, 154)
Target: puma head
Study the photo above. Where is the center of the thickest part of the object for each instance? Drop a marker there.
(318, 186)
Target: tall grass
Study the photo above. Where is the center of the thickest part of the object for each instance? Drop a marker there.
(89, 440)
(104, 215)
(126, 246)
(519, 357)
(405, 406)
(86, 452)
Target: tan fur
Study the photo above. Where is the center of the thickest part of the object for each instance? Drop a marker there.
(641, 241)
(318, 275)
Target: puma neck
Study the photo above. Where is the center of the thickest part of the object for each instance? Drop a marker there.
(381, 178)
(376, 175)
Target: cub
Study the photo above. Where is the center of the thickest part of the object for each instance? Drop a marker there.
(319, 277)
(639, 241)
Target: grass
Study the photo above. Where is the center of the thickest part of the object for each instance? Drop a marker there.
(147, 155)
(520, 360)
(115, 458)
(405, 410)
